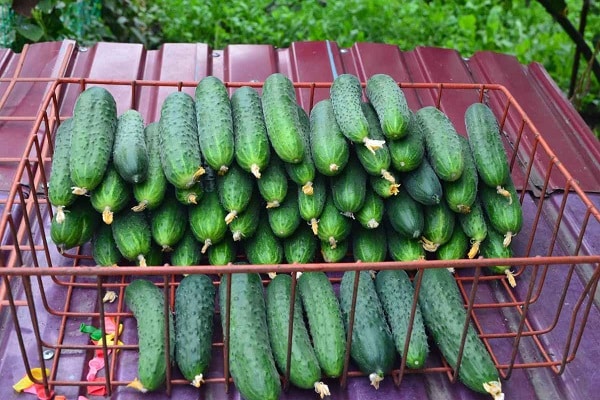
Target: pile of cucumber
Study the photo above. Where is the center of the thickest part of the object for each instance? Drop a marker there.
(254, 176)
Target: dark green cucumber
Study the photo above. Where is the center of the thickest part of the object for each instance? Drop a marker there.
(311, 206)
(455, 248)
(207, 220)
(438, 227)
(215, 123)
(60, 185)
(349, 188)
(334, 254)
(505, 216)
(235, 190)
(263, 247)
(324, 321)
(179, 146)
(423, 185)
(375, 163)
(222, 253)
(442, 143)
(92, 138)
(444, 315)
(245, 224)
(493, 247)
(304, 371)
(154, 258)
(280, 110)
(132, 235)
(460, 194)
(146, 302)
(372, 347)
(402, 248)
(405, 215)
(371, 213)
(407, 153)
(191, 195)
(486, 146)
(396, 292)
(383, 187)
(166, 223)
(301, 246)
(150, 193)
(187, 251)
(111, 195)
(251, 142)
(78, 226)
(391, 106)
(329, 147)
(104, 248)
(474, 226)
(369, 245)
(273, 185)
(303, 172)
(194, 311)
(285, 219)
(130, 153)
(333, 226)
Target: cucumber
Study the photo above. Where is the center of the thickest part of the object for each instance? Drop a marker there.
(215, 123)
(375, 163)
(369, 245)
(504, 216)
(396, 293)
(493, 247)
(311, 206)
(104, 248)
(132, 235)
(334, 254)
(151, 192)
(207, 220)
(154, 258)
(304, 369)
(372, 347)
(250, 357)
(130, 154)
(146, 302)
(333, 226)
(371, 213)
(324, 321)
(166, 223)
(60, 184)
(383, 187)
(77, 227)
(303, 172)
(301, 246)
(474, 226)
(460, 194)
(438, 227)
(245, 224)
(423, 185)
(442, 143)
(346, 99)
(349, 188)
(402, 248)
(235, 190)
(391, 106)
(405, 215)
(329, 147)
(273, 185)
(179, 147)
(455, 248)
(408, 152)
(285, 219)
(486, 146)
(280, 111)
(263, 247)
(251, 142)
(444, 315)
(111, 195)
(194, 311)
(191, 195)
(187, 252)
(223, 252)
(92, 138)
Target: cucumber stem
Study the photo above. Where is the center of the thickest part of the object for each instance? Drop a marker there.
(463, 209)
(474, 249)
(307, 188)
(223, 170)
(322, 389)
(273, 204)
(137, 385)
(272, 275)
(333, 167)
(231, 216)
(255, 170)
(385, 174)
(140, 207)
(166, 248)
(373, 144)
(314, 225)
(332, 242)
(375, 378)
(394, 189)
(196, 177)
(511, 278)
(494, 388)
(428, 245)
(192, 198)
(207, 244)
(503, 192)
(198, 381)
(372, 224)
(507, 238)
(237, 236)
(109, 297)
(107, 215)
(142, 260)
(60, 214)
(79, 191)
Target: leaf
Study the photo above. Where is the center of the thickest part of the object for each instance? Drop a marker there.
(30, 31)
(467, 23)
(46, 6)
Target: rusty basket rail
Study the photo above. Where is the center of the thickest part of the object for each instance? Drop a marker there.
(545, 314)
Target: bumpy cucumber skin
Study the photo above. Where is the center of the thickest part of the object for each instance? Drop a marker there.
(383, 187)
(207, 220)
(235, 189)
(215, 123)
(346, 99)
(372, 346)
(329, 147)
(194, 311)
(146, 302)
(280, 111)
(442, 143)
(456, 247)
(311, 206)
(113, 193)
(92, 139)
(493, 247)
(264, 247)
(324, 321)
(285, 219)
(151, 191)
(304, 366)
(334, 254)
(188, 250)
(180, 149)
(371, 213)
(273, 186)
(396, 293)
(405, 214)
(349, 188)
(402, 248)
(104, 248)
(223, 252)
(132, 234)
(246, 223)
(60, 184)
(369, 245)
(154, 258)
(474, 226)
(78, 226)
(251, 142)
(130, 153)
(439, 224)
(503, 215)
(301, 246)
(423, 185)
(250, 356)
(444, 315)
(333, 226)
(391, 106)
(166, 223)
(408, 152)
(303, 172)
(373, 162)
(461, 194)
(486, 145)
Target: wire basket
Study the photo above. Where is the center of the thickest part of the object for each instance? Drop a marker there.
(538, 324)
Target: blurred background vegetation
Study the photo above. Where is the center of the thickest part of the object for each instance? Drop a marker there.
(529, 30)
